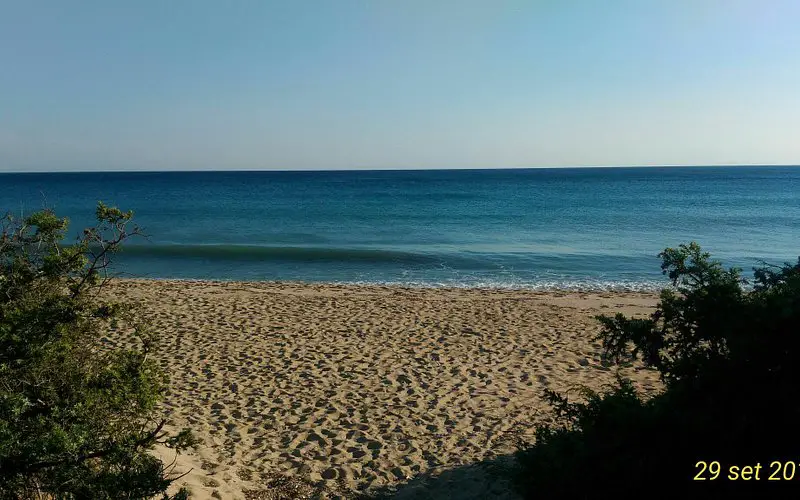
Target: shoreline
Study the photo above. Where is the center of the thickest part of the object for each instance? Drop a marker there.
(359, 388)
(543, 289)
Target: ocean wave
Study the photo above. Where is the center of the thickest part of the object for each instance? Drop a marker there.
(283, 253)
(543, 285)
(588, 285)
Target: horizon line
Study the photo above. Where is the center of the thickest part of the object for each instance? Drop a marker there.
(395, 169)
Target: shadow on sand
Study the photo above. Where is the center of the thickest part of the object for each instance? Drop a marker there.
(478, 480)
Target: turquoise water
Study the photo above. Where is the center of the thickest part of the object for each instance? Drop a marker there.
(532, 228)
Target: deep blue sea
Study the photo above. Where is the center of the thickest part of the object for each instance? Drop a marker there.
(597, 228)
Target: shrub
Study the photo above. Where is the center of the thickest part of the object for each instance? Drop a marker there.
(77, 416)
(728, 356)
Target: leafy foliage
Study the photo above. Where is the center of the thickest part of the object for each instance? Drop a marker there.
(729, 357)
(77, 416)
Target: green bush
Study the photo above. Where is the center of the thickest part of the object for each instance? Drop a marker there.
(77, 415)
(728, 354)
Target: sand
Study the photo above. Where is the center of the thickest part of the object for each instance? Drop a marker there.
(347, 389)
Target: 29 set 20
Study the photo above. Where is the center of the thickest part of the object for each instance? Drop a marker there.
(776, 471)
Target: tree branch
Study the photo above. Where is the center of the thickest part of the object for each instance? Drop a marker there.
(14, 465)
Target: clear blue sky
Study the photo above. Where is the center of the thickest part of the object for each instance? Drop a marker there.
(191, 84)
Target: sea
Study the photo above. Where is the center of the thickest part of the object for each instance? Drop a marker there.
(542, 229)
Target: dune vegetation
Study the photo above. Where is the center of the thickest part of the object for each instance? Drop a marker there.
(727, 352)
(77, 419)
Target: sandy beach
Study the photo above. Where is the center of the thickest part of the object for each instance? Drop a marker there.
(348, 389)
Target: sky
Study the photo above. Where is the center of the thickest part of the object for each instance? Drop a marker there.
(373, 84)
